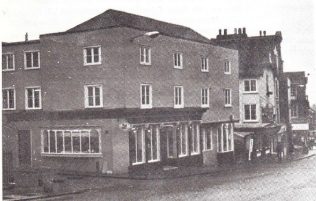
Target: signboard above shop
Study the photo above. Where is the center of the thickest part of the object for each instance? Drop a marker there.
(300, 127)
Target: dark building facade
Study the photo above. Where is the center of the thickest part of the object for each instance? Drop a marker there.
(119, 93)
(260, 67)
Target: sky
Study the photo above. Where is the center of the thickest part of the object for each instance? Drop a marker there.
(294, 18)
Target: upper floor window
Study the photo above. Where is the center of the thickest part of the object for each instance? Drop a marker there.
(32, 59)
(250, 85)
(178, 60)
(204, 97)
(8, 99)
(146, 96)
(227, 67)
(178, 97)
(227, 94)
(145, 55)
(294, 110)
(33, 98)
(8, 62)
(204, 64)
(93, 96)
(250, 112)
(92, 55)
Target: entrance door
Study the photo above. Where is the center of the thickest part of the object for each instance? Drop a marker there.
(168, 144)
(24, 146)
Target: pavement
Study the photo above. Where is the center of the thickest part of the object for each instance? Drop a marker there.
(71, 185)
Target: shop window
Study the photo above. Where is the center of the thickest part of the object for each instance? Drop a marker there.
(195, 138)
(138, 143)
(153, 143)
(182, 133)
(59, 142)
(225, 140)
(207, 139)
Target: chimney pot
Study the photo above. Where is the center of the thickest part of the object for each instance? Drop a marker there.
(235, 31)
(244, 30)
(260, 32)
(225, 32)
(264, 33)
(220, 32)
(239, 30)
(26, 37)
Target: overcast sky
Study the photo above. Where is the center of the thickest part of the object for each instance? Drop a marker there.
(293, 17)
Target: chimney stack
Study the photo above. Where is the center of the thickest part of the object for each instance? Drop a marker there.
(264, 33)
(225, 32)
(244, 30)
(239, 30)
(260, 32)
(235, 31)
(26, 37)
(220, 32)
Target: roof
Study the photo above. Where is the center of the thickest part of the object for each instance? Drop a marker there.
(297, 77)
(113, 18)
(20, 42)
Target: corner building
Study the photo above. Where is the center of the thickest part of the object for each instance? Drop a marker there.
(119, 93)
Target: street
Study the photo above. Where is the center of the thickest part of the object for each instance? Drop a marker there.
(281, 181)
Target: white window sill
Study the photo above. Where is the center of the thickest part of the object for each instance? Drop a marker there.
(39, 108)
(207, 150)
(205, 106)
(227, 73)
(146, 106)
(178, 106)
(250, 92)
(138, 163)
(8, 109)
(228, 106)
(225, 151)
(251, 121)
(195, 153)
(8, 70)
(74, 155)
(178, 67)
(92, 64)
(31, 68)
(89, 107)
(182, 155)
(145, 64)
(153, 161)
(204, 71)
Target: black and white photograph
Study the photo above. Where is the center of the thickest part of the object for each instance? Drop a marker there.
(127, 100)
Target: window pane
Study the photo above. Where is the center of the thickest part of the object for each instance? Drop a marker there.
(30, 98)
(97, 96)
(139, 145)
(60, 142)
(96, 54)
(171, 142)
(4, 62)
(45, 141)
(230, 136)
(75, 141)
(184, 144)
(36, 98)
(253, 112)
(225, 137)
(253, 85)
(155, 136)
(11, 98)
(85, 141)
(35, 59)
(148, 141)
(147, 55)
(28, 56)
(67, 139)
(219, 137)
(208, 139)
(88, 55)
(94, 141)
(52, 142)
(5, 99)
(10, 61)
(247, 112)
(147, 95)
(246, 83)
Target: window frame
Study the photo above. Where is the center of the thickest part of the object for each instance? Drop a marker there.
(204, 64)
(197, 133)
(143, 147)
(8, 100)
(33, 100)
(175, 96)
(149, 55)
(152, 127)
(220, 149)
(226, 104)
(149, 105)
(65, 153)
(207, 104)
(186, 136)
(250, 86)
(92, 60)
(229, 67)
(86, 95)
(175, 58)
(25, 61)
(7, 61)
(250, 113)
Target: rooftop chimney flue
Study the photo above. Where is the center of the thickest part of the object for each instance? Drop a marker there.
(264, 33)
(260, 32)
(244, 30)
(225, 32)
(26, 37)
(220, 32)
(239, 30)
(235, 31)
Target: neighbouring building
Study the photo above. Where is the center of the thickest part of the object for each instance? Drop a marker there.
(260, 67)
(298, 107)
(119, 93)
